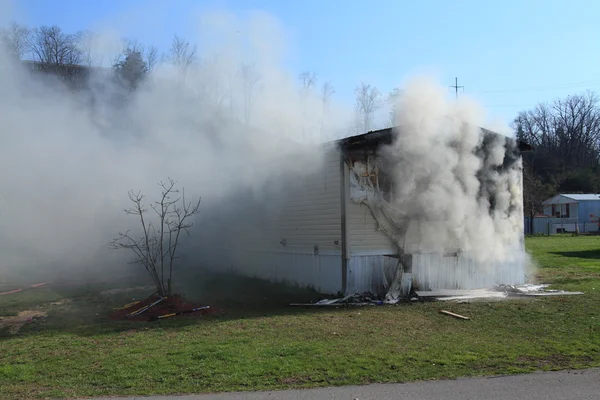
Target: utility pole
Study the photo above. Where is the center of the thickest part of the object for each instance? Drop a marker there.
(456, 87)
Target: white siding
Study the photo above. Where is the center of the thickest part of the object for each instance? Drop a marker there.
(574, 210)
(322, 272)
(307, 215)
(436, 271)
(548, 210)
(363, 235)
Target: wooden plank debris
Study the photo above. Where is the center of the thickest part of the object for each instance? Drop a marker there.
(454, 315)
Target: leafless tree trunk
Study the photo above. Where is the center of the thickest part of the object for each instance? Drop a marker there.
(151, 58)
(16, 39)
(249, 77)
(307, 80)
(181, 55)
(327, 91)
(156, 248)
(230, 89)
(367, 102)
(392, 99)
(212, 91)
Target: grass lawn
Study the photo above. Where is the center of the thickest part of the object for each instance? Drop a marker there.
(256, 344)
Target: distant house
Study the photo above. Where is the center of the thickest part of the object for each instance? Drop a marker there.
(567, 213)
(580, 206)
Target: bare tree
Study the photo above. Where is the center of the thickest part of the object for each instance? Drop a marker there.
(230, 82)
(307, 80)
(16, 39)
(156, 248)
(151, 58)
(392, 100)
(367, 102)
(327, 91)
(249, 77)
(212, 82)
(181, 55)
(565, 133)
(50, 46)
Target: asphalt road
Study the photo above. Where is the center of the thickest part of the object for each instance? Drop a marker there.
(562, 385)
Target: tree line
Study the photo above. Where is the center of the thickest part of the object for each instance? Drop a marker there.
(53, 50)
(565, 132)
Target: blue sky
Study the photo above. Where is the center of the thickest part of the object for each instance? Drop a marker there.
(508, 54)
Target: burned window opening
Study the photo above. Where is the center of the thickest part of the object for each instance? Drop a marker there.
(372, 167)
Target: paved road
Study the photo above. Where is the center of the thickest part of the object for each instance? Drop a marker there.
(563, 385)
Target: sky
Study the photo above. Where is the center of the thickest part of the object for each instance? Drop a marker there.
(509, 55)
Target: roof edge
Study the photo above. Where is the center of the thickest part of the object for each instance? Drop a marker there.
(386, 136)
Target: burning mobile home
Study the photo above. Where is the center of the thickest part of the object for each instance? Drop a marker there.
(363, 222)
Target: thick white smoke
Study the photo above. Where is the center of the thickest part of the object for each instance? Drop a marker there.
(68, 159)
(450, 181)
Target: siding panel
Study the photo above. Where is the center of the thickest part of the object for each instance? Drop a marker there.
(307, 214)
(363, 233)
(435, 271)
(586, 208)
(310, 214)
(371, 274)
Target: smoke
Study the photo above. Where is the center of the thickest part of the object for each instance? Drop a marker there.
(459, 188)
(68, 158)
(234, 129)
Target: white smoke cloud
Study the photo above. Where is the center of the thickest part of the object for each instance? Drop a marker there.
(68, 162)
(454, 194)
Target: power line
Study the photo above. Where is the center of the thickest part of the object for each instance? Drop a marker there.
(456, 87)
(541, 88)
(507, 105)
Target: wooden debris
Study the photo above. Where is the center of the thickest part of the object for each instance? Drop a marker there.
(128, 305)
(145, 308)
(454, 315)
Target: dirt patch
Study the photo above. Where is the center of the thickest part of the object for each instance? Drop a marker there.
(173, 304)
(14, 324)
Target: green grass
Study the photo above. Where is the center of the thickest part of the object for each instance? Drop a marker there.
(257, 344)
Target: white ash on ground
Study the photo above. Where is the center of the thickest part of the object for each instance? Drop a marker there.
(498, 292)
